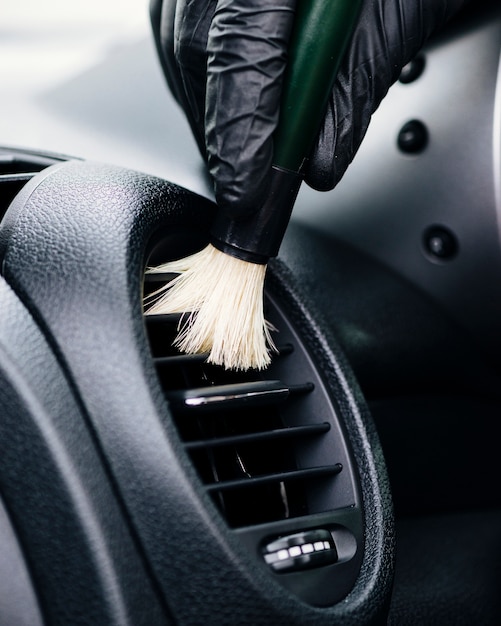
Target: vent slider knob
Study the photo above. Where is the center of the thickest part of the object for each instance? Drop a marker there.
(300, 551)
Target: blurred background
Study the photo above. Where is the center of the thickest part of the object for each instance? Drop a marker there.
(82, 78)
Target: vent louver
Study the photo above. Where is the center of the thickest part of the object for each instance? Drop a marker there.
(271, 453)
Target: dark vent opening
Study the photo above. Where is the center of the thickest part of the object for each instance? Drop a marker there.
(261, 449)
(17, 167)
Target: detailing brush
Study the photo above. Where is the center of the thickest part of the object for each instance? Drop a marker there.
(219, 290)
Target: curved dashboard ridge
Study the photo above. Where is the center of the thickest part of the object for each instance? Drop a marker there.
(80, 558)
(75, 246)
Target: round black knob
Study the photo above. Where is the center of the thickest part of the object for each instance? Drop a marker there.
(412, 70)
(413, 137)
(440, 243)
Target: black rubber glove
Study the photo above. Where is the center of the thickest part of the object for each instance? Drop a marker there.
(224, 63)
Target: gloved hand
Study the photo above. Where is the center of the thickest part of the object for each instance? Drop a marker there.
(224, 62)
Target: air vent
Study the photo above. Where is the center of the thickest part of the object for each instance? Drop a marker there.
(269, 450)
(256, 442)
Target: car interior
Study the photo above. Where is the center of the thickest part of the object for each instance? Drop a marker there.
(356, 480)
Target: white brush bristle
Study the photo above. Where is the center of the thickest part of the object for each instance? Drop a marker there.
(222, 299)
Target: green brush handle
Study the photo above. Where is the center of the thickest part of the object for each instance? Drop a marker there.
(322, 30)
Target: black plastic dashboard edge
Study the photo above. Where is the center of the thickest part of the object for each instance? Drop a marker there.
(74, 252)
(79, 556)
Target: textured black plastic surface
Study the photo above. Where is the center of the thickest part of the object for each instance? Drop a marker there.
(18, 602)
(74, 250)
(448, 570)
(80, 555)
(17, 167)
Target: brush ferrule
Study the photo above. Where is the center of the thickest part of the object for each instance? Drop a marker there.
(257, 238)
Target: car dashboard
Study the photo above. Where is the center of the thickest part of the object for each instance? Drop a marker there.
(352, 482)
